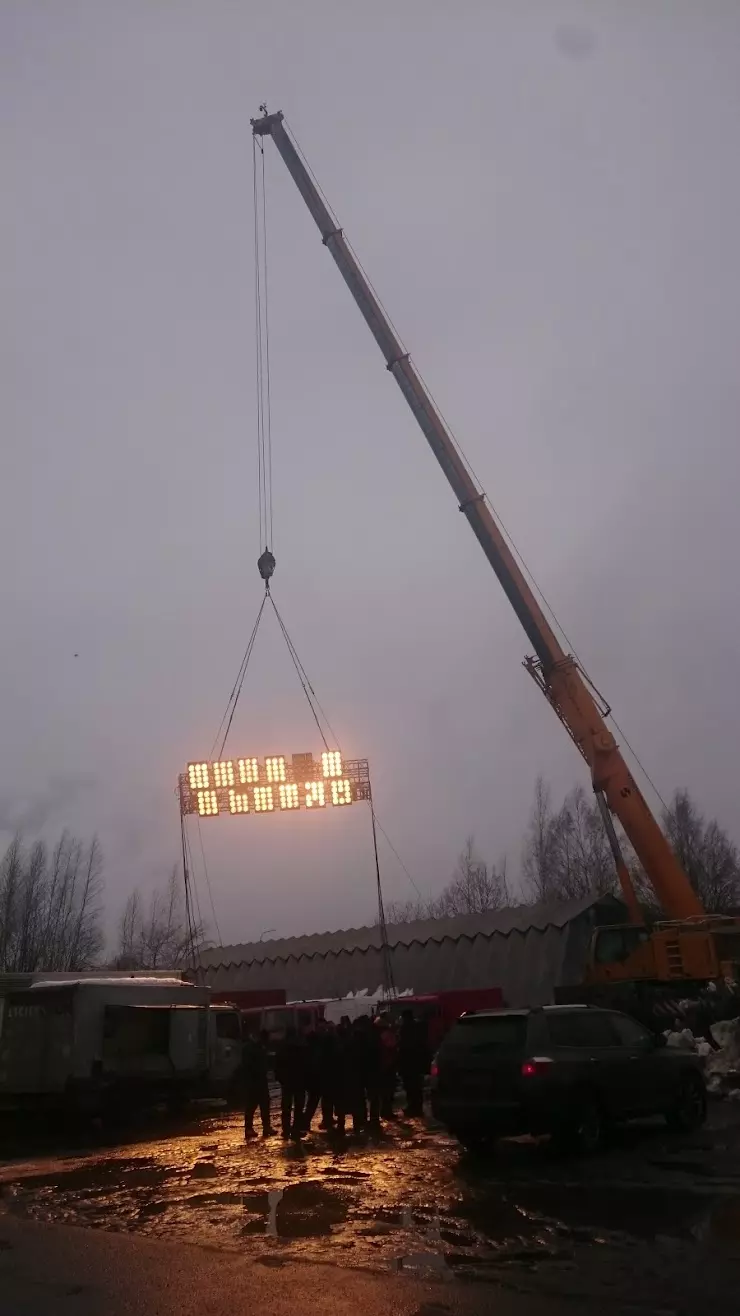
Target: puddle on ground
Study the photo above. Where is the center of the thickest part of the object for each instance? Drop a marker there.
(423, 1265)
(412, 1204)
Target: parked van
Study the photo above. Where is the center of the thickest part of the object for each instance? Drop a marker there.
(93, 1042)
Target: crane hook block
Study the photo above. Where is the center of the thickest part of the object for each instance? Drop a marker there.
(266, 564)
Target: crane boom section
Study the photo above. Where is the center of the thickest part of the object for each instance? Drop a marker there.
(559, 675)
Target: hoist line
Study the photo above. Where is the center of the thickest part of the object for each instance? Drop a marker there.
(258, 343)
(258, 388)
(268, 400)
(262, 343)
(239, 682)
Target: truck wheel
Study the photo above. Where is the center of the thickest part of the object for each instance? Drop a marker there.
(583, 1133)
(689, 1110)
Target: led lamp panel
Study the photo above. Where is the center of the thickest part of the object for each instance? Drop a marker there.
(248, 785)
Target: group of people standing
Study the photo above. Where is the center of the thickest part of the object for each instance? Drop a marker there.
(348, 1071)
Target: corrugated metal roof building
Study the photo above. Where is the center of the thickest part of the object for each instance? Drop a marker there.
(526, 950)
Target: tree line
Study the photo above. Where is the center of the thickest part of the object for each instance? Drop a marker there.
(51, 913)
(51, 907)
(566, 856)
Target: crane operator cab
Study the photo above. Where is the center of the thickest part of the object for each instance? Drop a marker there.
(702, 950)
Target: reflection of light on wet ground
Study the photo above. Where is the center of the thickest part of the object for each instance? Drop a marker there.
(409, 1201)
(273, 1200)
(425, 1265)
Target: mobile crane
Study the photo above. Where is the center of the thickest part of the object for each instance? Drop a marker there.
(690, 946)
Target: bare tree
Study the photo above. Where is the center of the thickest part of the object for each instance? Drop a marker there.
(155, 934)
(409, 911)
(50, 905)
(128, 933)
(538, 860)
(709, 858)
(566, 851)
(584, 863)
(474, 886)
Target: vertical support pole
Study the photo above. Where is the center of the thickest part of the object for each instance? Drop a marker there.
(389, 989)
(188, 902)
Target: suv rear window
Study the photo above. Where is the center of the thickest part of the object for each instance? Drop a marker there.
(505, 1032)
(581, 1028)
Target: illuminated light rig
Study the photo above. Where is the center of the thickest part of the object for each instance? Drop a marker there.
(249, 785)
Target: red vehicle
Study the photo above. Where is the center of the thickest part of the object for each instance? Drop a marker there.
(274, 1019)
(439, 1010)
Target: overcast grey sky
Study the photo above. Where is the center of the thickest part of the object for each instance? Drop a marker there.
(546, 196)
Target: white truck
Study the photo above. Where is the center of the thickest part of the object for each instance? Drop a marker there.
(93, 1043)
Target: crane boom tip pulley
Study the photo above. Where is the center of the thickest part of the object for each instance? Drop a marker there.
(263, 126)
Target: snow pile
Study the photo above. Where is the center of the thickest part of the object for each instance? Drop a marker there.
(723, 1065)
(682, 1038)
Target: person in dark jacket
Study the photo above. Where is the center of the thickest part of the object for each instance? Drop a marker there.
(291, 1072)
(388, 1042)
(413, 1060)
(349, 1093)
(321, 1082)
(255, 1063)
(365, 1072)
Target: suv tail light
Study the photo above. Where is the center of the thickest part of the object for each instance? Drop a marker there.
(434, 1071)
(536, 1066)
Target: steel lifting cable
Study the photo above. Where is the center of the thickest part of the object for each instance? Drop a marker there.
(266, 561)
(308, 690)
(228, 716)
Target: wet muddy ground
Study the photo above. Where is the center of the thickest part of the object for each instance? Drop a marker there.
(653, 1220)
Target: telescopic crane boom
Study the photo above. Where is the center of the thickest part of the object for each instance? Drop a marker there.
(556, 672)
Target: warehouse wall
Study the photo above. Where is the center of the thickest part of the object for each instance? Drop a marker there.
(527, 965)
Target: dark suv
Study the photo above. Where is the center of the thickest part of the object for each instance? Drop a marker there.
(567, 1070)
